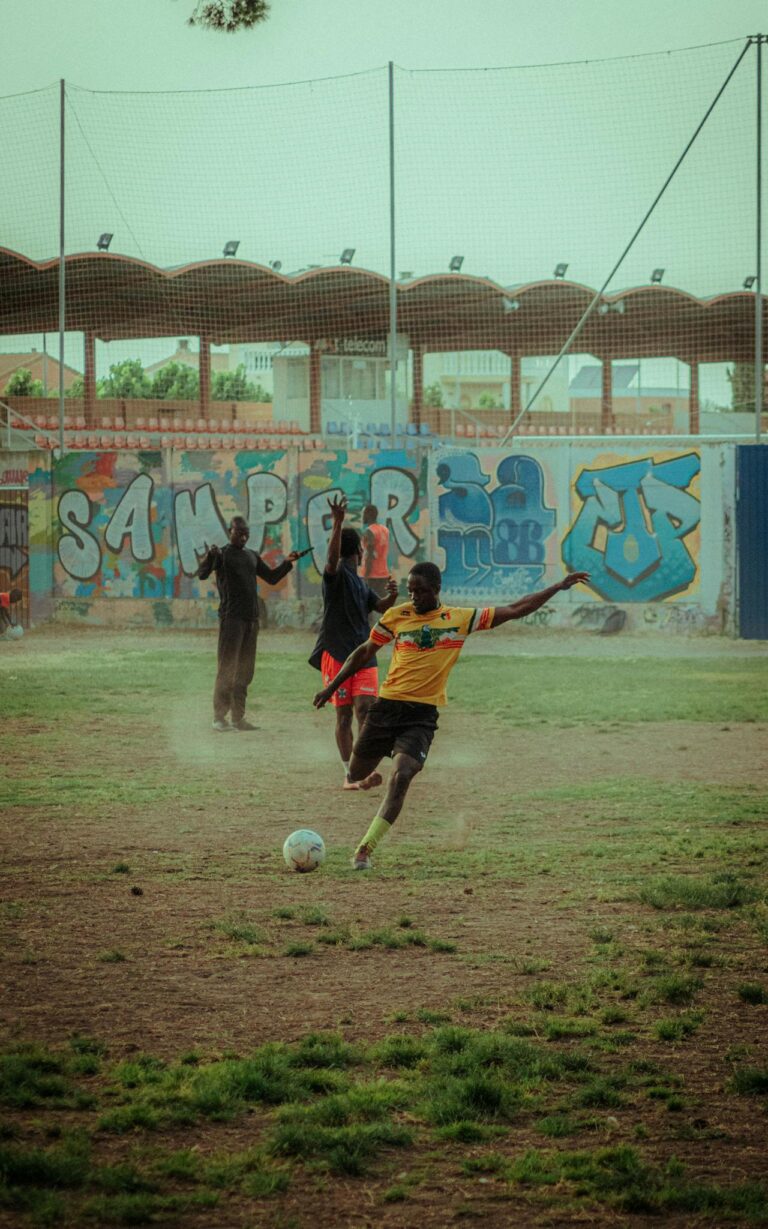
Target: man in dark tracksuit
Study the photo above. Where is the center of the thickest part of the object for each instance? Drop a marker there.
(236, 570)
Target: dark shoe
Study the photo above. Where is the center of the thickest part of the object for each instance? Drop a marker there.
(243, 725)
(361, 859)
(222, 726)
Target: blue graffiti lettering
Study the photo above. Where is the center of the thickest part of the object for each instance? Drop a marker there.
(497, 541)
(630, 528)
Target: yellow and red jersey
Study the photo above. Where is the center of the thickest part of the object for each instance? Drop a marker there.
(426, 647)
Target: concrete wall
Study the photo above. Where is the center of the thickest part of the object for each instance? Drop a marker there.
(115, 536)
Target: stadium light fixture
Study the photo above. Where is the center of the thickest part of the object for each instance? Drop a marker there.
(275, 265)
(231, 246)
(561, 270)
(749, 282)
(656, 277)
(510, 305)
(104, 241)
(346, 256)
(456, 263)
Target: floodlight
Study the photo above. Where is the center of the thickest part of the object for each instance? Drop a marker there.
(104, 241)
(656, 277)
(749, 282)
(561, 270)
(618, 308)
(231, 246)
(275, 265)
(456, 263)
(346, 256)
(510, 305)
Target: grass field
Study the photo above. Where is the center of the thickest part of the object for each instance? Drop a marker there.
(547, 1005)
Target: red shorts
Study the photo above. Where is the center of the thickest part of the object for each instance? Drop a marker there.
(364, 683)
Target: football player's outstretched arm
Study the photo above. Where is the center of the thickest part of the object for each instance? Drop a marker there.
(533, 601)
(358, 658)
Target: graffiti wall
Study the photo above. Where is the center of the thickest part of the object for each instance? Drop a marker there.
(650, 524)
(134, 526)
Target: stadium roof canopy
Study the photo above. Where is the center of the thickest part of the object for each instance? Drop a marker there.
(112, 296)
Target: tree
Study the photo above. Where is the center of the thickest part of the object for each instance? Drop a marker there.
(229, 15)
(233, 386)
(177, 382)
(21, 384)
(126, 379)
(742, 381)
(76, 388)
(487, 401)
(433, 396)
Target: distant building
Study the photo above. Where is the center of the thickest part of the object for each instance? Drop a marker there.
(40, 365)
(472, 379)
(189, 358)
(628, 391)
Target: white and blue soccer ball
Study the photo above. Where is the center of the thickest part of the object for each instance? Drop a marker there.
(15, 632)
(304, 850)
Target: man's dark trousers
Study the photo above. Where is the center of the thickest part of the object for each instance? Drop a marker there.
(237, 658)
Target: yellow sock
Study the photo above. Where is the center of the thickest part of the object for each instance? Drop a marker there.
(377, 830)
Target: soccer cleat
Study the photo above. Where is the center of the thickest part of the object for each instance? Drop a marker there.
(222, 726)
(243, 725)
(371, 781)
(361, 860)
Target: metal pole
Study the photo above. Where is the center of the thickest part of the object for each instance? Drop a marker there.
(62, 279)
(599, 293)
(758, 249)
(392, 284)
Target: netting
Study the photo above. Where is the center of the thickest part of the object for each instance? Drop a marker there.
(501, 177)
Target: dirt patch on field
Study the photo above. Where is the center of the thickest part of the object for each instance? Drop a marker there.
(169, 926)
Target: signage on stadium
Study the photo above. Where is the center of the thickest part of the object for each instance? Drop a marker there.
(374, 347)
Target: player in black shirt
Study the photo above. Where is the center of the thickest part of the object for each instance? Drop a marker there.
(347, 602)
(236, 570)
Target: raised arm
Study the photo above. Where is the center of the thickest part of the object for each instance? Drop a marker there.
(338, 508)
(358, 658)
(533, 601)
(384, 603)
(210, 562)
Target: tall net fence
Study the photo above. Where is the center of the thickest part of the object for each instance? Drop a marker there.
(515, 192)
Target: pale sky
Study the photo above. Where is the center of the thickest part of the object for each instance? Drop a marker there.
(514, 170)
(145, 44)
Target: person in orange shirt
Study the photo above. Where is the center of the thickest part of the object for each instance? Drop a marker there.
(376, 547)
(427, 638)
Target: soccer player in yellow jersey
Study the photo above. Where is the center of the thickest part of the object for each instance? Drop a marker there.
(427, 637)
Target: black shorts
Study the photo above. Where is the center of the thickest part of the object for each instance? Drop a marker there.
(393, 726)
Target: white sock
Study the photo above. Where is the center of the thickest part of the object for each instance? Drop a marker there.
(346, 767)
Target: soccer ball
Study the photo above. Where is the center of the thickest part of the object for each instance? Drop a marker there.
(304, 850)
(15, 632)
